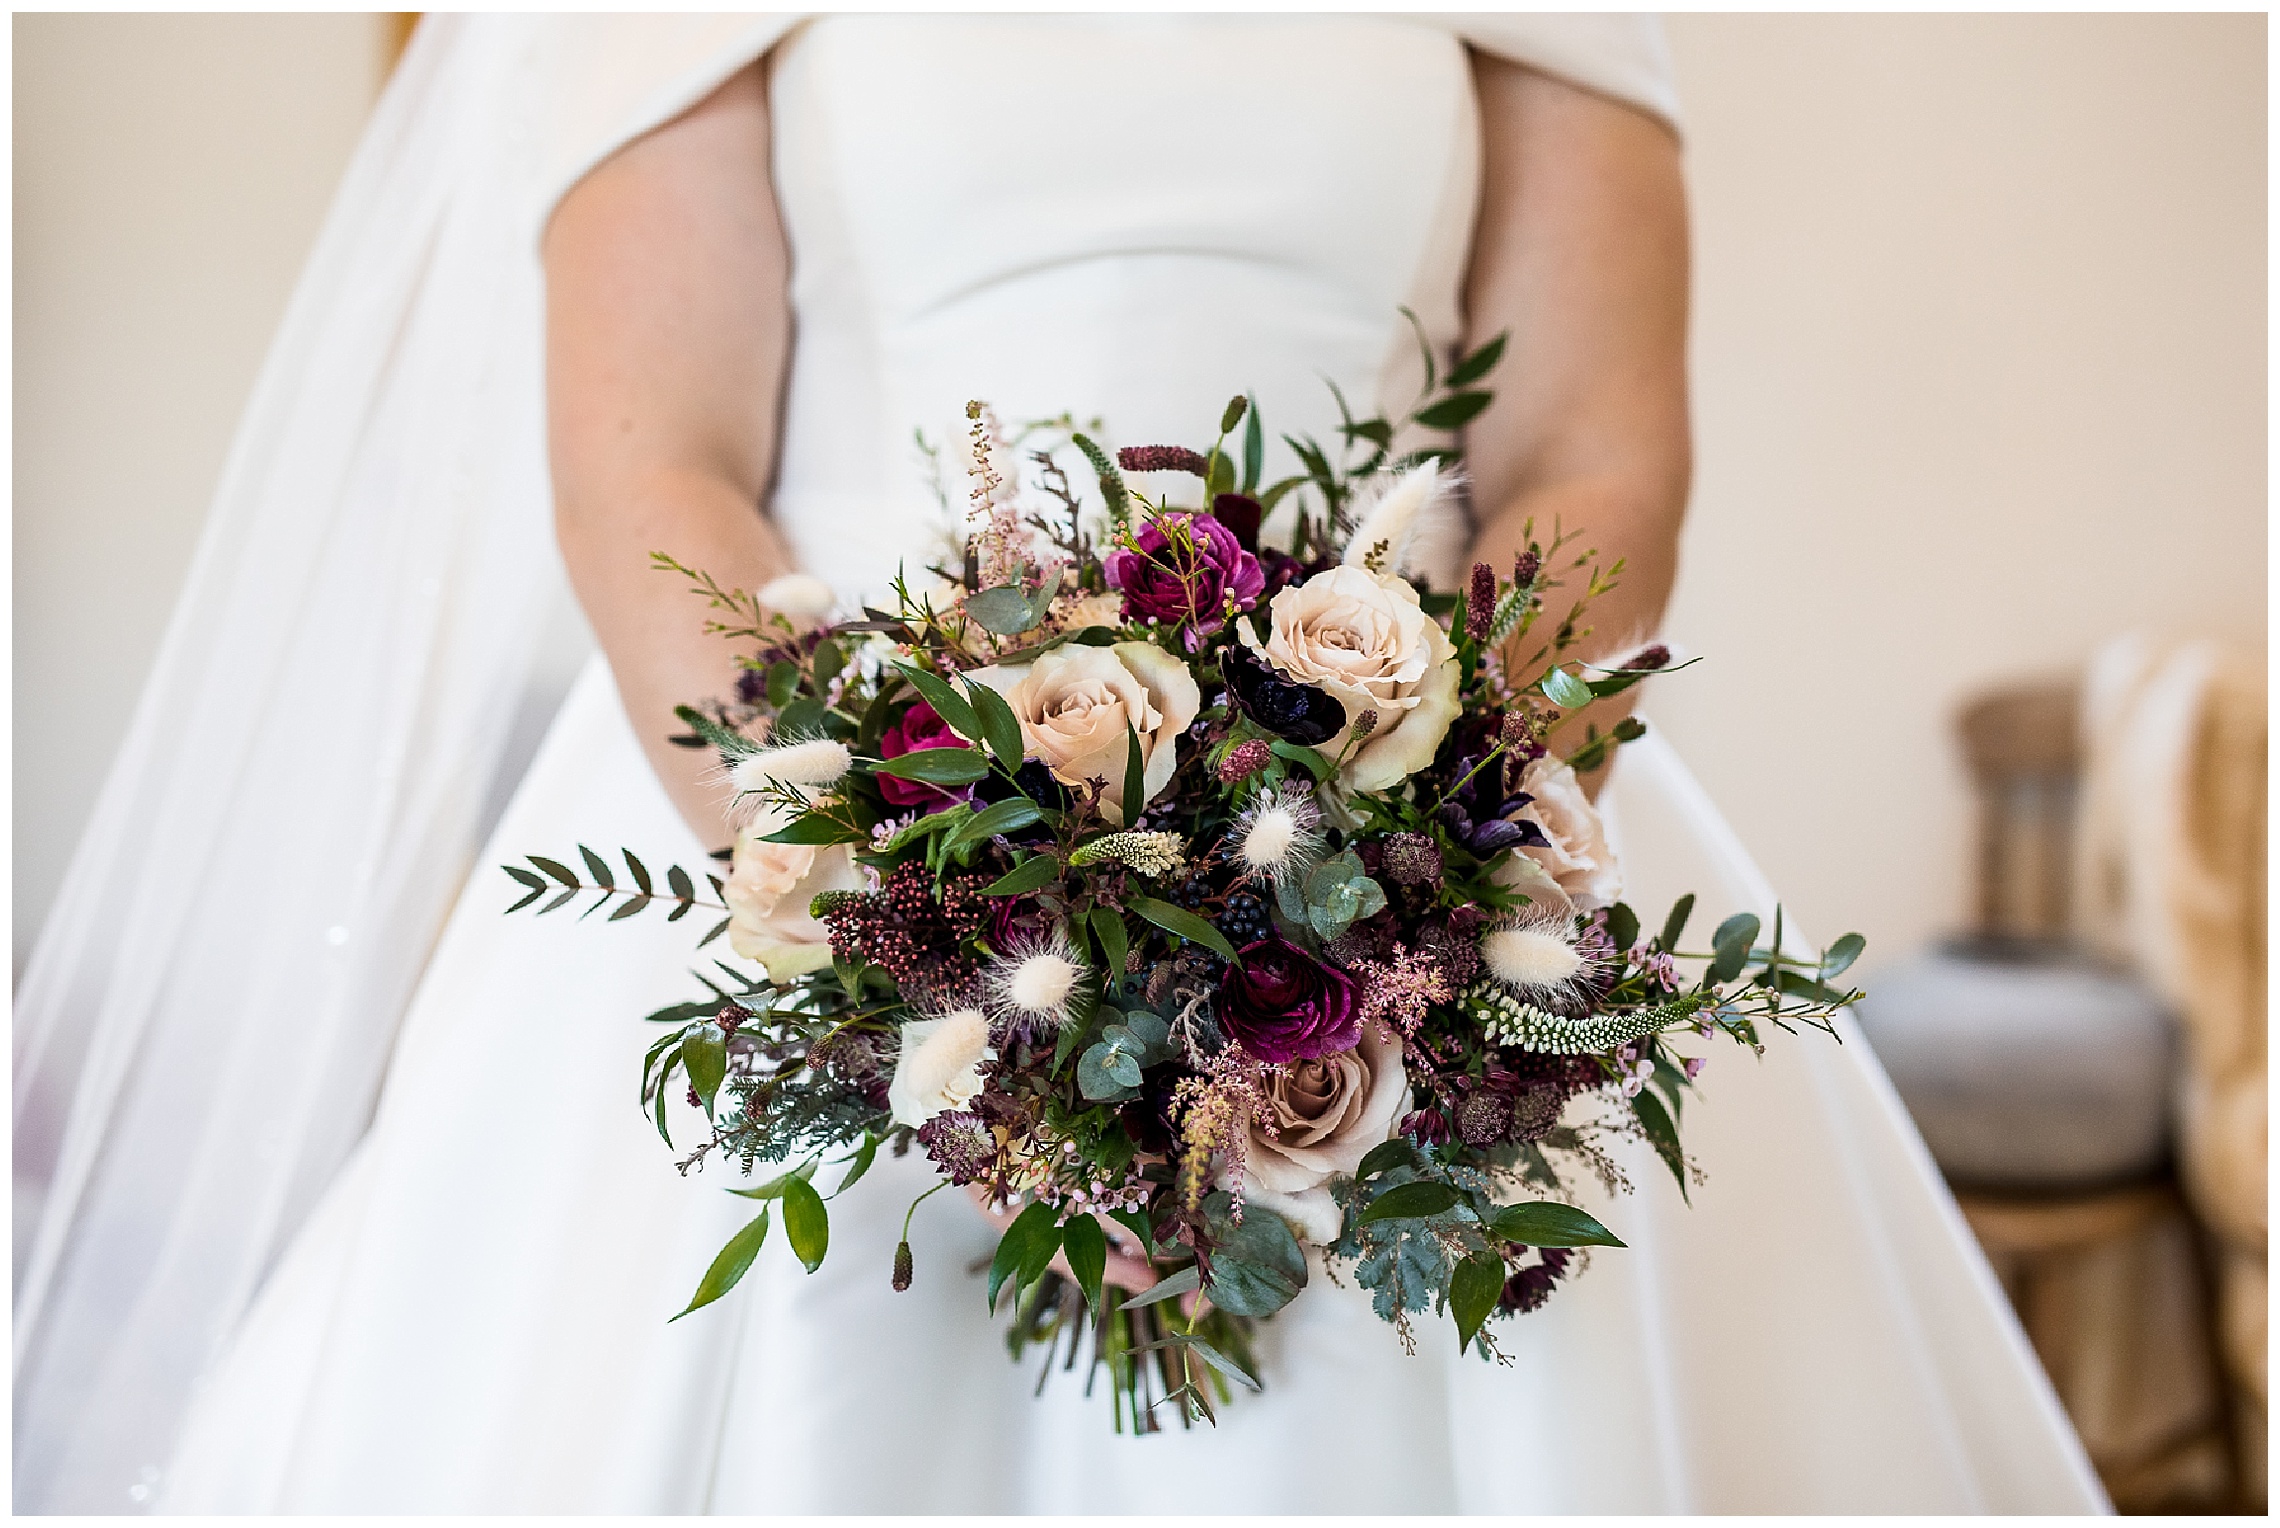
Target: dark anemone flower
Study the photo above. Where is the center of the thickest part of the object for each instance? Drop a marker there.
(1297, 713)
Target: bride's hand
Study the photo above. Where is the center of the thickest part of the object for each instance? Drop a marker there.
(1128, 1267)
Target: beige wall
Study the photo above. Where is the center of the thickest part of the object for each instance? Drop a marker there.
(1979, 357)
(170, 174)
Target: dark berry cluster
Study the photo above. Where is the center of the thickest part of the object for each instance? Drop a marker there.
(920, 938)
(1244, 921)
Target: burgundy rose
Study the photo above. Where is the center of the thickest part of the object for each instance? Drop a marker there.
(918, 728)
(1283, 1005)
(1184, 576)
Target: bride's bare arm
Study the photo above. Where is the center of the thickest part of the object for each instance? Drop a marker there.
(1581, 252)
(667, 333)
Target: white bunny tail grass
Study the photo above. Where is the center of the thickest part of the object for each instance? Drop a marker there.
(1039, 985)
(1415, 521)
(1537, 954)
(1279, 836)
(814, 761)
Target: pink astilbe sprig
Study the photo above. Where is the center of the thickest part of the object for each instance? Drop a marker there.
(1213, 1110)
(1398, 991)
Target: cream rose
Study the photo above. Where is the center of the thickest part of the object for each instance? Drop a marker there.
(1076, 703)
(768, 890)
(1328, 1113)
(940, 1066)
(1577, 861)
(1364, 638)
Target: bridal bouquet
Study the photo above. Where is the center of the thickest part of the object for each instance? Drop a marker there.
(1222, 893)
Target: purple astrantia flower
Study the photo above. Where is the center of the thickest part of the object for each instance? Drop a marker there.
(1281, 1004)
(919, 728)
(1186, 569)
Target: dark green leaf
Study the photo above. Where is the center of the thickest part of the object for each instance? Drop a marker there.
(705, 1054)
(806, 717)
(1087, 1248)
(1032, 874)
(1003, 611)
(718, 929)
(1547, 1223)
(1031, 1229)
(1135, 778)
(865, 1155)
(1675, 925)
(530, 897)
(1170, 1287)
(1622, 926)
(1108, 1072)
(1424, 350)
(826, 661)
(1115, 944)
(938, 766)
(557, 869)
(947, 703)
(1479, 364)
(807, 1224)
(1274, 495)
(640, 872)
(1005, 816)
(1842, 954)
(1386, 1154)
(629, 907)
(815, 828)
(1662, 1135)
(1473, 1292)
(1178, 920)
(1453, 412)
(561, 900)
(535, 883)
(1308, 758)
(1812, 991)
(1566, 691)
(1410, 1201)
(1254, 450)
(1257, 1267)
(1731, 945)
(999, 727)
(783, 683)
(730, 1264)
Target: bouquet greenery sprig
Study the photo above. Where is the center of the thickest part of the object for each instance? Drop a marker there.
(1174, 870)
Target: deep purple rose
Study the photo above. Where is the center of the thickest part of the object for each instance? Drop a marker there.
(1183, 576)
(1283, 1005)
(918, 728)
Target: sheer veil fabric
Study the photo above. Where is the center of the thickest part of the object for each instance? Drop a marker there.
(373, 639)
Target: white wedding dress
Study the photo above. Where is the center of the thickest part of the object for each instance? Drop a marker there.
(1128, 218)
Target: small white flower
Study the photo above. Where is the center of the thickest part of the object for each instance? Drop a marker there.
(939, 1069)
(811, 762)
(801, 596)
(1037, 984)
(1535, 955)
(1279, 836)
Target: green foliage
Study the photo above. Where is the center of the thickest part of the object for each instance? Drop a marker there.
(1178, 920)
(1255, 1268)
(1025, 1251)
(1334, 896)
(937, 766)
(807, 1224)
(1547, 1223)
(729, 1264)
(1086, 1247)
(1473, 1293)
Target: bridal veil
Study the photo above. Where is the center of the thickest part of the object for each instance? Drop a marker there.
(373, 636)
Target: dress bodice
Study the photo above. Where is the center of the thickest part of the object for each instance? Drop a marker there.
(1128, 218)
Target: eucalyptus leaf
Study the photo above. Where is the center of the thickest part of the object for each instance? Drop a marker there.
(1107, 1072)
(1257, 1267)
(1675, 925)
(783, 683)
(1566, 691)
(1731, 946)
(1169, 1287)
(1842, 954)
(1003, 611)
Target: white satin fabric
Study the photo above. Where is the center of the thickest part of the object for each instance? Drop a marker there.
(1128, 217)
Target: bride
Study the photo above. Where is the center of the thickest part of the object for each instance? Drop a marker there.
(344, 1202)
